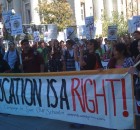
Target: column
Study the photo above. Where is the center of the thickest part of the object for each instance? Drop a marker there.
(108, 7)
(34, 13)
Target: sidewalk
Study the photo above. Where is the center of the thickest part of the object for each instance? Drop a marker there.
(11, 122)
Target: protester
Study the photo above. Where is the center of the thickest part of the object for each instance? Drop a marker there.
(69, 60)
(121, 58)
(90, 60)
(2, 48)
(133, 46)
(55, 57)
(44, 50)
(136, 74)
(12, 58)
(100, 49)
(4, 66)
(32, 60)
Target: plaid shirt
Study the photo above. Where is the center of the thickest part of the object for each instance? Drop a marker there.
(69, 60)
(128, 62)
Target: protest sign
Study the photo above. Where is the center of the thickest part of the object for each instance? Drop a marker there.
(51, 32)
(136, 22)
(6, 20)
(97, 98)
(90, 29)
(131, 27)
(82, 31)
(16, 25)
(71, 32)
(112, 32)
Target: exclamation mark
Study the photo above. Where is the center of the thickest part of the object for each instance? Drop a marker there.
(125, 112)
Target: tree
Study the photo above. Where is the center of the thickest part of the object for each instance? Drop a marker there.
(56, 12)
(116, 19)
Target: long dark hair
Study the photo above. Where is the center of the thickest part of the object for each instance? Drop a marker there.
(121, 47)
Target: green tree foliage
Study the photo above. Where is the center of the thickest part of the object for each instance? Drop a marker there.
(56, 12)
(116, 19)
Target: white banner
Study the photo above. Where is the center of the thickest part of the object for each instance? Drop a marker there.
(89, 97)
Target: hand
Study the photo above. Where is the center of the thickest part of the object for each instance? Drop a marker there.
(131, 70)
(81, 48)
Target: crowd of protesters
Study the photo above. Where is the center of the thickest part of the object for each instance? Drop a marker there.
(56, 56)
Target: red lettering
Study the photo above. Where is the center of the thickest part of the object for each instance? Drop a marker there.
(74, 91)
(100, 95)
(125, 112)
(91, 105)
(85, 95)
(113, 93)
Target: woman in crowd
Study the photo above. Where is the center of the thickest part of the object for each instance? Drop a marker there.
(90, 60)
(121, 58)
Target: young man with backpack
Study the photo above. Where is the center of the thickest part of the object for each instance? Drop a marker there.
(12, 58)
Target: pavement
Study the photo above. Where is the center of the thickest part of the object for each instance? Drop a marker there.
(12, 122)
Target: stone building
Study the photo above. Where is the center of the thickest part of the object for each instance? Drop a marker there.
(81, 9)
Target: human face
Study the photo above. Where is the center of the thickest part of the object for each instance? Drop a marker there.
(136, 36)
(25, 46)
(69, 46)
(90, 46)
(117, 54)
(11, 47)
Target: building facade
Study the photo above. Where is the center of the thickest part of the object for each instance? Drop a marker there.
(81, 9)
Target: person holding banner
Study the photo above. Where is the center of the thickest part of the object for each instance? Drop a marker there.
(133, 46)
(121, 58)
(136, 73)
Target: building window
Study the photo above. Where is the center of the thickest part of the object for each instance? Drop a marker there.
(28, 13)
(82, 11)
(91, 11)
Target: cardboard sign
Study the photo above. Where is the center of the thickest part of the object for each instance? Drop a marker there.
(16, 25)
(112, 33)
(51, 33)
(90, 29)
(6, 20)
(98, 98)
(136, 22)
(71, 33)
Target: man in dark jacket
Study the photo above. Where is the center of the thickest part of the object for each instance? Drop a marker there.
(133, 46)
(4, 67)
